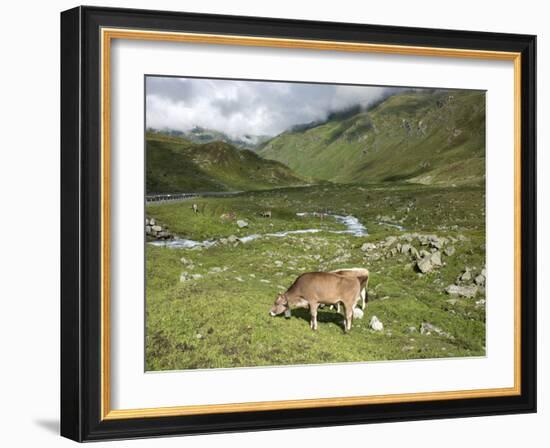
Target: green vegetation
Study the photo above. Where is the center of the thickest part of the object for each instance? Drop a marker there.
(220, 318)
(422, 137)
(177, 165)
(416, 160)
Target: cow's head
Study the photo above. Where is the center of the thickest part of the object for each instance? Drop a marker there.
(280, 306)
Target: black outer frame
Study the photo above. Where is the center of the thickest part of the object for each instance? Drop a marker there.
(81, 207)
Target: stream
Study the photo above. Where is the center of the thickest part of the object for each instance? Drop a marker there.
(352, 224)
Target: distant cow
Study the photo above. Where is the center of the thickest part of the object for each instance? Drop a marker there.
(266, 214)
(362, 275)
(314, 288)
(195, 208)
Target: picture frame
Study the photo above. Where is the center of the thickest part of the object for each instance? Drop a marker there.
(86, 37)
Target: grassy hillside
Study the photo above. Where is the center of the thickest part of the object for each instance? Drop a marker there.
(208, 307)
(202, 135)
(177, 165)
(430, 137)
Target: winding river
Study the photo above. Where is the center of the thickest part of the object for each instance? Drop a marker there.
(353, 227)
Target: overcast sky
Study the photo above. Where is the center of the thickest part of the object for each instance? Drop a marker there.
(247, 107)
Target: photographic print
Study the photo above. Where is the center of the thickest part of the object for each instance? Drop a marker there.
(291, 223)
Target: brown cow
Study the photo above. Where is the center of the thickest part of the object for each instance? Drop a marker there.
(363, 276)
(311, 289)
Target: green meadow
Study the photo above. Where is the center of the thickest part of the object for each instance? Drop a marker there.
(207, 307)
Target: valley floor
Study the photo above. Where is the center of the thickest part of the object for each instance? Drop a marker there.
(208, 307)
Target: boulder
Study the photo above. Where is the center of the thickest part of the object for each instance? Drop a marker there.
(405, 248)
(428, 329)
(368, 246)
(147, 229)
(232, 239)
(469, 291)
(152, 222)
(424, 265)
(242, 224)
(435, 258)
(358, 313)
(375, 324)
(479, 280)
(156, 228)
(466, 276)
(449, 251)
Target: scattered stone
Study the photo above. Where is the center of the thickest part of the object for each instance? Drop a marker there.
(414, 252)
(466, 276)
(480, 302)
(239, 279)
(452, 301)
(152, 222)
(479, 280)
(156, 228)
(265, 281)
(428, 329)
(216, 269)
(185, 261)
(358, 313)
(242, 224)
(278, 263)
(436, 258)
(199, 336)
(196, 276)
(405, 248)
(424, 265)
(411, 330)
(232, 239)
(449, 251)
(148, 229)
(375, 324)
(368, 246)
(468, 291)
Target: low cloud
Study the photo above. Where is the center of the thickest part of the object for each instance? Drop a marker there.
(238, 108)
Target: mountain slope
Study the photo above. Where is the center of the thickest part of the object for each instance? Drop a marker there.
(202, 135)
(176, 165)
(430, 137)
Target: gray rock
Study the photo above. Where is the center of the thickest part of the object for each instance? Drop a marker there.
(479, 280)
(466, 276)
(424, 265)
(468, 291)
(242, 224)
(375, 324)
(152, 222)
(428, 329)
(232, 239)
(449, 251)
(368, 246)
(196, 276)
(405, 248)
(148, 229)
(452, 301)
(358, 313)
(436, 258)
(216, 269)
(156, 228)
(411, 330)
(414, 252)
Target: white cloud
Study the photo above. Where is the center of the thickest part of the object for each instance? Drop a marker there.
(238, 107)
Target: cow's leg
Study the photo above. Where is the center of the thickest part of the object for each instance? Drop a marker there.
(338, 307)
(363, 295)
(313, 310)
(348, 308)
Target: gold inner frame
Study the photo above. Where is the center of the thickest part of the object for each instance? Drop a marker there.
(107, 35)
